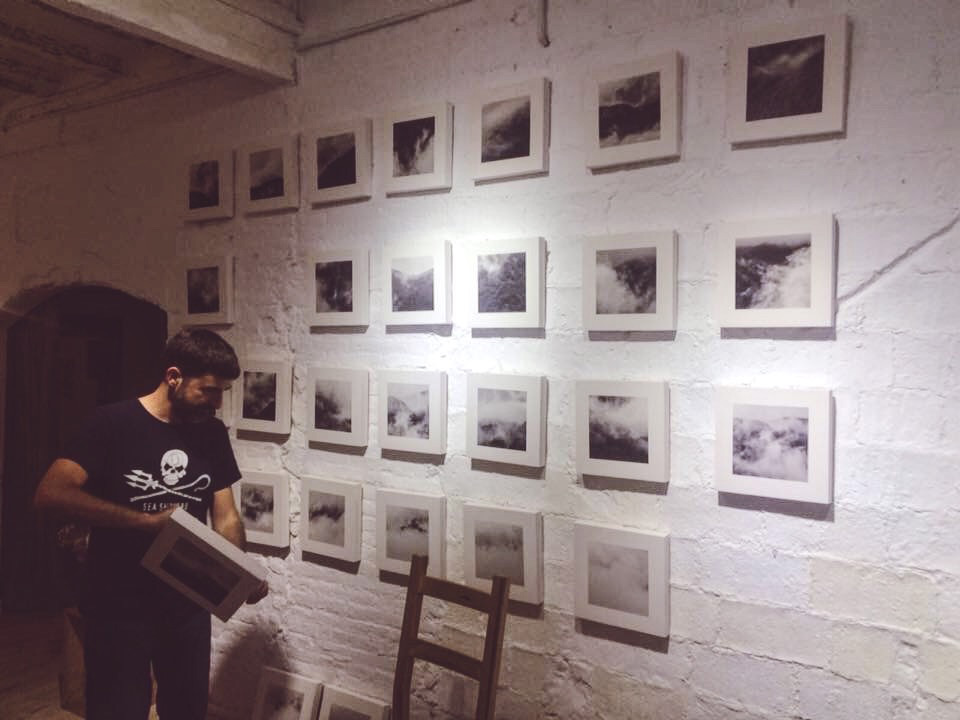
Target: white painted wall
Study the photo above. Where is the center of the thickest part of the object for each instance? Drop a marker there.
(774, 615)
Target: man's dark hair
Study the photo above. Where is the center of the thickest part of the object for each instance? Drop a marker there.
(197, 352)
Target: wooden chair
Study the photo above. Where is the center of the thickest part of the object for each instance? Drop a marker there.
(485, 671)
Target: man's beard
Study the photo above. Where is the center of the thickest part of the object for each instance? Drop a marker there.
(182, 411)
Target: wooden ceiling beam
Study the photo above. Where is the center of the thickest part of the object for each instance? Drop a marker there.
(29, 42)
(30, 79)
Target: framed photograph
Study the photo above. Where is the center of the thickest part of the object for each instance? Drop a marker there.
(268, 176)
(203, 565)
(500, 541)
(788, 81)
(337, 402)
(507, 419)
(777, 273)
(341, 705)
(413, 411)
(339, 288)
(630, 282)
(263, 500)
(208, 290)
(508, 283)
(622, 577)
(330, 518)
(633, 112)
(416, 282)
(210, 186)
(338, 162)
(511, 131)
(775, 443)
(623, 430)
(411, 524)
(416, 154)
(265, 388)
(285, 696)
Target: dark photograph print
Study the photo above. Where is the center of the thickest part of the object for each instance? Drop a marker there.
(260, 395)
(334, 286)
(199, 572)
(413, 143)
(326, 523)
(408, 532)
(629, 110)
(256, 506)
(408, 410)
(626, 281)
(280, 703)
(203, 290)
(773, 272)
(332, 405)
(204, 184)
(785, 78)
(339, 712)
(336, 161)
(502, 418)
(266, 174)
(502, 282)
(619, 429)
(770, 441)
(618, 578)
(499, 551)
(412, 284)
(505, 129)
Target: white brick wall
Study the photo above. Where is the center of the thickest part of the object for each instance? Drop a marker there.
(775, 615)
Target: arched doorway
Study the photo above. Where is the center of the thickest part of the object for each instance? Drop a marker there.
(80, 348)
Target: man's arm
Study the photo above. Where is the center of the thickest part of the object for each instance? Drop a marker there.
(226, 521)
(61, 494)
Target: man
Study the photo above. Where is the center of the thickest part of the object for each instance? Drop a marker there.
(130, 467)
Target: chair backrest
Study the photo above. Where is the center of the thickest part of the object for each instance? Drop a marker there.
(485, 670)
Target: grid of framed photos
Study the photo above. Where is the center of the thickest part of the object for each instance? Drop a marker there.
(263, 502)
(282, 694)
(339, 288)
(207, 291)
(338, 162)
(330, 518)
(501, 541)
(337, 402)
(416, 152)
(507, 419)
(415, 278)
(411, 524)
(264, 390)
(413, 411)
(511, 131)
(209, 186)
(268, 176)
(508, 283)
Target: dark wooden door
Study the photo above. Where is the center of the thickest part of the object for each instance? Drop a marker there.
(81, 348)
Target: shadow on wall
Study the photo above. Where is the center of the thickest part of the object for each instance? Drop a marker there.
(239, 658)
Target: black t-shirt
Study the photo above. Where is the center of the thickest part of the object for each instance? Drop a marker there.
(135, 460)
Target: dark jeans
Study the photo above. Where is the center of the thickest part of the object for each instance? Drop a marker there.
(118, 654)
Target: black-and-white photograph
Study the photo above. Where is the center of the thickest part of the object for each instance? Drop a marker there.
(629, 110)
(408, 532)
(773, 272)
(331, 409)
(203, 290)
(326, 524)
(256, 506)
(785, 79)
(627, 281)
(336, 160)
(198, 571)
(505, 129)
(770, 441)
(502, 418)
(618, 578)
(499, 551)
(619, 428)
(334, 286)
(281, 703)
(266, 174)
(502, 282)
(204, 184)
(260, 396)
(339, 712)
(412, 283)
(413, 146)
(408, 410)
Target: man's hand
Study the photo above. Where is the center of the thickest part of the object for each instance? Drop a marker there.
(259, 593)
(155, 522)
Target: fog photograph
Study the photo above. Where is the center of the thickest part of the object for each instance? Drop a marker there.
(499, 550)
(629, 110)
(266, 174)
(408, 532)
(502, 418)
(256, 506)
(626, 281)
(336, 161)
(203, 290)
(204, 185)
(408, 410)
(334, 284)
(413, 144)
(280, 703)
(198, 571)
(260, 395)
(326, 520)
(502, 282)
(618, 578)
(505, 129)
(412, 284)
(619, 428)
(331, 406)
(773, 272)
(785, 78)
(770, 441)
